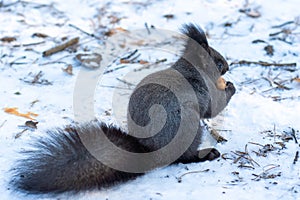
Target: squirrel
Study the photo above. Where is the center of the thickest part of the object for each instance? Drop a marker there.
(61, 162)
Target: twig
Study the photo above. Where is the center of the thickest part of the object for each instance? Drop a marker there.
(296, 157)
(29, 44)
(37, 79)
(18, 63)
(89, 34)
(219, 138)
(264, 174)
(294, 135)
(246, 156)
(284, 24)
(277, 33)
(147, 28)
(278, 98)
(114, 87)
(61, 47)
(115, 69)
(130, 55)
(151, 64)
(3, 123)
(264, 64)
(56, 61)
(256, 144)
(20, 134)
(125, 82)
(282, 40)
(281, 86)
(9, 4)
(179, 179)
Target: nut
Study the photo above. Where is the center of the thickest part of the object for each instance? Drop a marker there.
(221, 83)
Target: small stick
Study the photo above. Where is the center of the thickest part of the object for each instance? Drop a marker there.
(115, 69)
(61, 47)
(30, 44)
(130, 55)
(114, 87)
(37, 77)
(147, 27)
(3, 123)
(89, 34)
(277, 33)
(294, 135)
(271, 166)
(179, 179)
(219, 138)
(284, 24)
(278, 98)
(296, 157)
(125, 82)
(281, 86)
(58, 61)
(265, 64)
(256, 144)
(151, 64)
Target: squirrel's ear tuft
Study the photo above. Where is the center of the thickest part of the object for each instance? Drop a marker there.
(195, 33)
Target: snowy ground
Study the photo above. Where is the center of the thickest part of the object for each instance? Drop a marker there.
(261, 122)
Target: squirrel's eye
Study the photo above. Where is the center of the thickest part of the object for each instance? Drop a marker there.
(220, 65)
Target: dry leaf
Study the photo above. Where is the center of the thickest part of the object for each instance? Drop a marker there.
(269, 49)
(169, 16)
(40, 35)
(114, 31)
(8, 39)
(253, 13)
(14, 111)
(68, 70)
(143, 62)
(138, 43)
(31, 124)
(250, 12)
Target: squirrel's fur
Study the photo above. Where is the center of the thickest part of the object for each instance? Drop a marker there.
(61, 162)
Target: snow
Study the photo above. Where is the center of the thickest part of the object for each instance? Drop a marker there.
(251, 120)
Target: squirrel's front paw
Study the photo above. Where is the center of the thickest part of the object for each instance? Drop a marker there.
(230, 90)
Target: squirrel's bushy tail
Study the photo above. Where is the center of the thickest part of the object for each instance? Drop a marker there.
(60, 162)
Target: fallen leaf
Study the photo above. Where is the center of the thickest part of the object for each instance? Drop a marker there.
(40, 35)
(123, 61)
(143, 62)
(68, 70)
(269, 49)
(8, 39)
(14, 111)
(169, 16)
(31, 124)
(254, 13)
(114, 31)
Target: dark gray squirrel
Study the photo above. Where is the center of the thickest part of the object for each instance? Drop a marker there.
(61, 162)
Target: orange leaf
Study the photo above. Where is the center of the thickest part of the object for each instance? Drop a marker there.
(143, 62)
(14, 111)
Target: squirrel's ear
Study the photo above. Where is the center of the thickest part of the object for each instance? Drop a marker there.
(195, 33)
